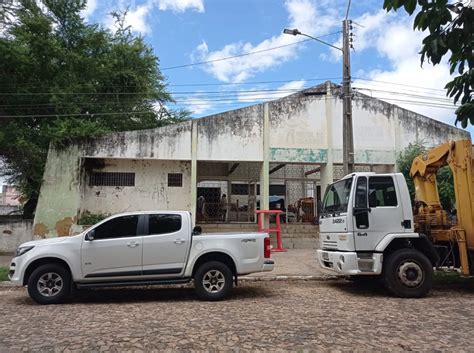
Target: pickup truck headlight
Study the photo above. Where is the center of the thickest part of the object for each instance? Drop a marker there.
(22, 250)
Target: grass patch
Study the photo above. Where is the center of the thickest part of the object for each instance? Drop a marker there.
(4, 273)
(450, 277)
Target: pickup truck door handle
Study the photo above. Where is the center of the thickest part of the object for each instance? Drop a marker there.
(179, 241)
(132, 244)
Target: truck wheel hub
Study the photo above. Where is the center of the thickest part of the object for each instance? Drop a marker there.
(410, 274)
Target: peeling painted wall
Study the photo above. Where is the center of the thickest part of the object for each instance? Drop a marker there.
(232, 136)
(303, 128)
(60, 192)
(171, 142)
(151, 191)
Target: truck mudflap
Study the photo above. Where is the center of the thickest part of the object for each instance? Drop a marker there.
(350, 263)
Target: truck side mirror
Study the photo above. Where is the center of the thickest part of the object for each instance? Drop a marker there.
(90, 235)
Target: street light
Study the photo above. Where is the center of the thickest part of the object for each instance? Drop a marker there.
(295, 32)
(347, 137)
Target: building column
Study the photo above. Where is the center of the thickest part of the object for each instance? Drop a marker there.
(265, 170)
(327, 170)
(194, 144)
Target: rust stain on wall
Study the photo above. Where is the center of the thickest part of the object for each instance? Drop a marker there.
(40, 229)
(63, 226)
(7, 231)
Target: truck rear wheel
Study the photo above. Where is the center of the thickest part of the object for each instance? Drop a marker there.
(213, 281)
(408, 273)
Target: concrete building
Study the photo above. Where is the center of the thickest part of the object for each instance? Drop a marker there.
(278, 154)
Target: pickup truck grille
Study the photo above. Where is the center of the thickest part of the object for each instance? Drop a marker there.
(329, 244)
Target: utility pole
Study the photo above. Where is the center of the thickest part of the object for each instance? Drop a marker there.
(347, 135)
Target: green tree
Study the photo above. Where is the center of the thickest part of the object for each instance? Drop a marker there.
(444, 177)
(63, 79)
(451, 28)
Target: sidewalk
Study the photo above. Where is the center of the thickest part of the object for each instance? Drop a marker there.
(293, 264)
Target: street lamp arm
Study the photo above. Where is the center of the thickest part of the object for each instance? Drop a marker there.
(295, 32)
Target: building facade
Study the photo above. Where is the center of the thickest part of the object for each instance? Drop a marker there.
(274, 155)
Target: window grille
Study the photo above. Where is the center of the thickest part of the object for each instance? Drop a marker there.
(112, 179)
(175, 179)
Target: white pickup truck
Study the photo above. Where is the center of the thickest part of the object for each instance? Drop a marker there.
(139, 248)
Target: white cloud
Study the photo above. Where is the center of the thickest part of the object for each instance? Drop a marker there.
(90, 9)
(394, 39)
(181, 5)
(136, 18)
(197, 104)
(264, 94)
(307, 16)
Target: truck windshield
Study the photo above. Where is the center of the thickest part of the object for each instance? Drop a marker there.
(337, 197)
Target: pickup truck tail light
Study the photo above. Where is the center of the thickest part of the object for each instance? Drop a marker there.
(267, 247)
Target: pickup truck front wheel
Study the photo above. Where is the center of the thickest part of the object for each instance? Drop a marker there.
(49, 284)
(213, 281)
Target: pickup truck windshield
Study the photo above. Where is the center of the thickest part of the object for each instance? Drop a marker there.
(337, 197)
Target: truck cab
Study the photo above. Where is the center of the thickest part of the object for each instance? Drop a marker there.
(366, 217)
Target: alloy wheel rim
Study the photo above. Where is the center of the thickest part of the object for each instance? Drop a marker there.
(213, 281)
(50, 284)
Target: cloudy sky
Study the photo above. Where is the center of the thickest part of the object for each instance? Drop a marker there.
(220, 55)
(195, 38)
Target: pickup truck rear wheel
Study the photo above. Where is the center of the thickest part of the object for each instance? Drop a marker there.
(408, 273)
(213, 281)
(49, 284)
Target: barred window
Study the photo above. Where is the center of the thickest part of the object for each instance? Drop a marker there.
(175, 179)
(112, 179)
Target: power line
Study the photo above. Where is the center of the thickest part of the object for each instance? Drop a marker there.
(348, 8)
(245, 54)
(398, 84)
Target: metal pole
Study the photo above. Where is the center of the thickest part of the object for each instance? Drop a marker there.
(347, 135)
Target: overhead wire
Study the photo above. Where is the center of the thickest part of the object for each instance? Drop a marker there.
(245, 54)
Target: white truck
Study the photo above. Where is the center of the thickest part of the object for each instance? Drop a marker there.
(367, 229)
(139, 248)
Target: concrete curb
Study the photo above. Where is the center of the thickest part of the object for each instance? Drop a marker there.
(7, 284)
(288, 278)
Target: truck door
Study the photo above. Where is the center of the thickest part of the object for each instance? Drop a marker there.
(165, 245)
(377, 211)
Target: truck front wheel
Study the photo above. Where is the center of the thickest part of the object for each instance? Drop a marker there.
(408, 273)
(213, 281)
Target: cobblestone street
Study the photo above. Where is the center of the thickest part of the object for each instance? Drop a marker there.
(266, 315)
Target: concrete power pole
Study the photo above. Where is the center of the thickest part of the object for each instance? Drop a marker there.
(347, 135)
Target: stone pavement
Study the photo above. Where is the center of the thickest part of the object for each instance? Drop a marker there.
(270, 316)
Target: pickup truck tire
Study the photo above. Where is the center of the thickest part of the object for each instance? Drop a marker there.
(213, 281)
(49, 284)
(408, 273)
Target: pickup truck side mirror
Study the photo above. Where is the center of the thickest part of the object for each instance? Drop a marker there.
(197, 230)
(90, 235)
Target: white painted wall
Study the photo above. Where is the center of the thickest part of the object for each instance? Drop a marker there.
(151, 191)
(233, 136)
(171, 142)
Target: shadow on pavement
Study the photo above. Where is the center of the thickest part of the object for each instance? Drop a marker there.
(375, 288)
(368, 288)
(149, 294)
